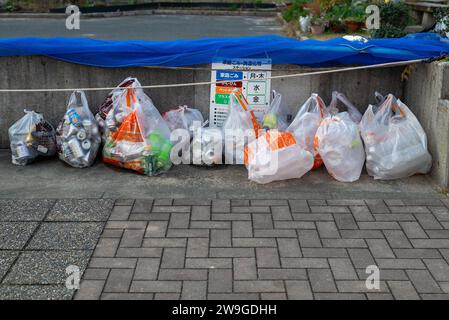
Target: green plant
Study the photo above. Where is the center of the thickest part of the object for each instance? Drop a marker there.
(295, 10)
(442, 18)
(11, 5)
(318, 20)
(355, 11)
(394, 18)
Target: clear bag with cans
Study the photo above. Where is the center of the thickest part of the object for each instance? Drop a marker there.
(30, 137)
(78, 136)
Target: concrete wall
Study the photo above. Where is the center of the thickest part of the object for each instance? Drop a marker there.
(41, 72)
(427, 95)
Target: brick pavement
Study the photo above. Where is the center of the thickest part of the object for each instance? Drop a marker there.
(271, 249)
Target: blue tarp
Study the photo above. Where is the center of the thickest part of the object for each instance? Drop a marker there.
(281, 50)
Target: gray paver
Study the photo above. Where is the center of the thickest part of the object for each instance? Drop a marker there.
(24, 210)
(14, 235)
(81, 210)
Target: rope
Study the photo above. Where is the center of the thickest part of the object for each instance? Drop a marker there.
(193, 84)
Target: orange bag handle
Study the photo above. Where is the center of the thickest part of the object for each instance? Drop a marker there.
(130, 97)
(238, 94)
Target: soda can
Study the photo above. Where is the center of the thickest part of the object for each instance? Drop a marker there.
(72, 131)
(87, 124)
(74, 117)
(81, 135)
(76, 148)
(86, 145)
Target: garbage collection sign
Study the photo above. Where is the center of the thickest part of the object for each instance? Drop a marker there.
(250, 75)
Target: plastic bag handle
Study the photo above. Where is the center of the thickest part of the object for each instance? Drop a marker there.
(391, 99)
(238, 94)
(337, 96)
(130, 97)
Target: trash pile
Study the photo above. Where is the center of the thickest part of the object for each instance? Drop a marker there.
(78, 137)
(388, 138)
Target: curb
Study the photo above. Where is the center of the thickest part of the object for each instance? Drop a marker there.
(215, 12)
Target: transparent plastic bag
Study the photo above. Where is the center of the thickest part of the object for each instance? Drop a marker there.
(339, 143)
(276, 117)
(306, 123)
(108, 104)
(78, 137)
(276, 156)
(395, 142)
(207, 147)
(240, 128)
(30, 137)
(140, 140)
(334, 109)
(182, 118)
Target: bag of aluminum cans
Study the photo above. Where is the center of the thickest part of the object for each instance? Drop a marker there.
(108, 104)
(78, 137)
(140, 138)
(30, 137)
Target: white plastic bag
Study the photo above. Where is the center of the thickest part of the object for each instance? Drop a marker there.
(306, 123)
(78, 137)
(334, 109)
(240, 128)
(276, 116)
(30, 137)
(182, 118)
(339, 144)
(207, 147)
(395, 142)
(276, 156)
(140, 138)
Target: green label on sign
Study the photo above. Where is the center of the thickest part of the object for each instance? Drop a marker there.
(222, 98)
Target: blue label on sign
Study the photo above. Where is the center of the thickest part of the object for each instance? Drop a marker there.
(229, 75)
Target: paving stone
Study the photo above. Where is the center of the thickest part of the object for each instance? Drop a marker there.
(156, 229)
(329, 209)
(358, 286)
(423, 281)
(438, 268)
(397, 239)
(438, 234)
(379, 225)
(413, 230)
(156, 286)
(220, 281)
(317, 202)
(403, 290)
(167, 296)
(324, 253)
(394, 202)
(90, 290)
(149, 217)
(274, 233)
(380, 248)
(254, 242)
(343, 269)
(433, 296)
(119, 280)
(194, 290)
(138, 252)
(313, 217)
(417, 253)
(15, 235)
(127, 296)
(220, 238)
(362, 234)
(201, 213)
(377, 206)
(112, 233)
(231, 216)
(197, 248)
(307, 225)
(46, 267)
(289, 248)
(262, 221)
(245, 269)
(209, 263)
(424, 202)
(345, 222)
(171, 209)
(231, 252)
(309, 239)
(192, 202)
(179, 221)
(299, 206)
(272, 202)
(259, 286)
(221, 206)
(173, 258)
(327, 229)
(142, 206)
(385, 274)
(298, 290)
(428, 221)
(282, 274)
(81, 210)
(147, 269)
(394, 217)
(240, 203)
(242, 229)
(400, 264)
(164, 242)
(126, 225)
(188, 233)
(265, 209)
(409, 209)
(210, 225)
(267, 258)
(441, 213)
(430, 243)
(306, 263)
(106, 247)
(132, 238)
(351, 202)
(273, 296)
(7, 259)
(24, 210)
(361, 258)
(35, 292)
(322, 280)
(66, 236)
(361, 213)
(344, 243)
(124, 202)
(95, 274)
(113, 263)
(340, 296)
(182, 274)
(233, 296)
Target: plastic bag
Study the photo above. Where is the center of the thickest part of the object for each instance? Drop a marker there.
(306, 123)
(276, 117)
(207, 147)
(108, 104)
(353, 112)
(395, 142)
(276, 156)
(339, 143)
(140, 140)
(240, 128)
(78, 137)
(182, 118)
(30, 137)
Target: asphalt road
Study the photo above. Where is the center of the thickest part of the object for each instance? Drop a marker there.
(152, 27)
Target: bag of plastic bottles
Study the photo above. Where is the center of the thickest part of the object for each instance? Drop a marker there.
(276, 156)
(340, 146)
(306, 123)
(276, 117)
(78, 137)
(182, 118)
(334, 109)
(140, 139)
(108, 104)
(30, 137)
(395, 142)
(240, 128)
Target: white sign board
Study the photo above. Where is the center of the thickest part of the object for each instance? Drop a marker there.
(251, 75)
